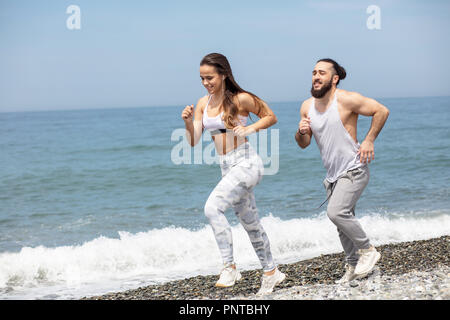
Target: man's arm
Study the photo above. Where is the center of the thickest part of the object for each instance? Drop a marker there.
(304, 133)
(371, 108)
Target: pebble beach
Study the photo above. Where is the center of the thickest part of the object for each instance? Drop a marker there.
(408, 270)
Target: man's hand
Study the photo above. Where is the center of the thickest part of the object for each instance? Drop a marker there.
(305, 125)
(366, 151)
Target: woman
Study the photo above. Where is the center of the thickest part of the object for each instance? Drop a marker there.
(224, 113)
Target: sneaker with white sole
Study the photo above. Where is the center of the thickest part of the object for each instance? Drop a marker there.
(349, 274)
(228, 277)
(269, 282)
(366, 262)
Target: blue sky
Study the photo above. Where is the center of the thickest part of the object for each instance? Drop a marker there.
(147, 53)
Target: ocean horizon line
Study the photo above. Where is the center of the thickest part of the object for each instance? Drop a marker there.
(174, 105)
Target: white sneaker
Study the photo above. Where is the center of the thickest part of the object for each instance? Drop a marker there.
(349, 274)
(228, 277)
(367, 260)
(269, 282)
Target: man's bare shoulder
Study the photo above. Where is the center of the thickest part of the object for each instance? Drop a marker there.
(304, 109)
(349, 98)
(307, 101)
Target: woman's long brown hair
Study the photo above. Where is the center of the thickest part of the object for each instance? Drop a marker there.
(230, 110)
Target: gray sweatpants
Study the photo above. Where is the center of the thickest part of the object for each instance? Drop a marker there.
(242, 169)
(345, 192)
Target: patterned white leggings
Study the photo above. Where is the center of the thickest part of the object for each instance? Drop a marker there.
(242, 170)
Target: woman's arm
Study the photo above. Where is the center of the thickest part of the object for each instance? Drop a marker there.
(193, 121)
(266, 116)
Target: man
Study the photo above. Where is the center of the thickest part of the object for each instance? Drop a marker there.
(331, 115)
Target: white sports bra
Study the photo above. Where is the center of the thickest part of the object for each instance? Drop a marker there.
(215, 124)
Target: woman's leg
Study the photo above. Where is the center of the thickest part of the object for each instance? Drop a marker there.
(247, 213)
(236, 183)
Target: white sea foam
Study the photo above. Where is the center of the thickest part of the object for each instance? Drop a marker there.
(132, 260)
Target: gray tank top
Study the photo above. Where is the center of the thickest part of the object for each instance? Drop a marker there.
(337, 148)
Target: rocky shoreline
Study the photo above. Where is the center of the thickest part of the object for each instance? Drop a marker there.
(408, 270)
(414, 285)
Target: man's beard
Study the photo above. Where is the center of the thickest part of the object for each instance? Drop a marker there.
(321, 92)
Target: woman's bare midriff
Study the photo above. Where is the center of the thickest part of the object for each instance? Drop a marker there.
(226, 142)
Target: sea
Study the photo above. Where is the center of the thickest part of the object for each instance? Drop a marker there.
(102, 200)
